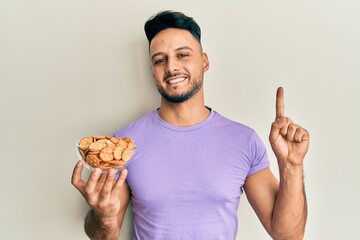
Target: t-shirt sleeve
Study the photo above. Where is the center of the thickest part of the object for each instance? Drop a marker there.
(259, 155)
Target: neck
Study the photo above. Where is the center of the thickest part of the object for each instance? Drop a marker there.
(187, 113)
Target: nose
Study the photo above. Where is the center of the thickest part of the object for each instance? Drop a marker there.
(172, 65)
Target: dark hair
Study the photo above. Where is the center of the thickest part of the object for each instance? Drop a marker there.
(171, 19)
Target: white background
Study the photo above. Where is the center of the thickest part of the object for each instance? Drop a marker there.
(74, 68)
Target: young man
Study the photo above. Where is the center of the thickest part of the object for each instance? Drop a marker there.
(192, 164)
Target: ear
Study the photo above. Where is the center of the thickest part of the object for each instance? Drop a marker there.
(206, 63)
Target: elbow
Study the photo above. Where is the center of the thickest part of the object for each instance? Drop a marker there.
(287, 234)
(289, 229)
(294, 232)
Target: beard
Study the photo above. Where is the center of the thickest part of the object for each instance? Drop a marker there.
(179, 98)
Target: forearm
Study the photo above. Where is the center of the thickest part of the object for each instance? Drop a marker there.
(97, 228)
(290, 210)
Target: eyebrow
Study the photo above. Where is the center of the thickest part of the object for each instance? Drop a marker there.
(177, 49)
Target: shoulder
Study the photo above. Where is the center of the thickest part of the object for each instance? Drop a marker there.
(233, 127)
(241, 135)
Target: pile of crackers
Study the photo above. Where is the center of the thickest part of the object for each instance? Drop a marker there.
(106, 152)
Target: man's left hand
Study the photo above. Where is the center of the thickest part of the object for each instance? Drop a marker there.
(289, 141)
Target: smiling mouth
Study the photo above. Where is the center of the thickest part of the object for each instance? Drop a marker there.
(175, 80)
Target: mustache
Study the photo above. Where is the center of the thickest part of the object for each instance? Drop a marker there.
(171, 75)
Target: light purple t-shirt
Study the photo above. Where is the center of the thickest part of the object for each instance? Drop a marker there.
(186, 182)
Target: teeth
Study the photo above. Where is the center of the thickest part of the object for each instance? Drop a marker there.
(176, 80)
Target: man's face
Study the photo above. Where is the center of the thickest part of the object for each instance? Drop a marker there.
(178, 64)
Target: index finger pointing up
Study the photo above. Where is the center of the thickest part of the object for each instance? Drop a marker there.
(280, 103)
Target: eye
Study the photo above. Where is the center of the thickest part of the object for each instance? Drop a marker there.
(160, 60)
(182, 55)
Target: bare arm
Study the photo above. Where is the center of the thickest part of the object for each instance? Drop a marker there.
(108, 199)
(282, 207)
(282, 210)
(290, 211)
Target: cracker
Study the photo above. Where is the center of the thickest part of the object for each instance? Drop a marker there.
(106, 154)
(85, 142)
(92, 160)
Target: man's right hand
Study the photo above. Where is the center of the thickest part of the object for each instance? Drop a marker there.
(103, 193)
